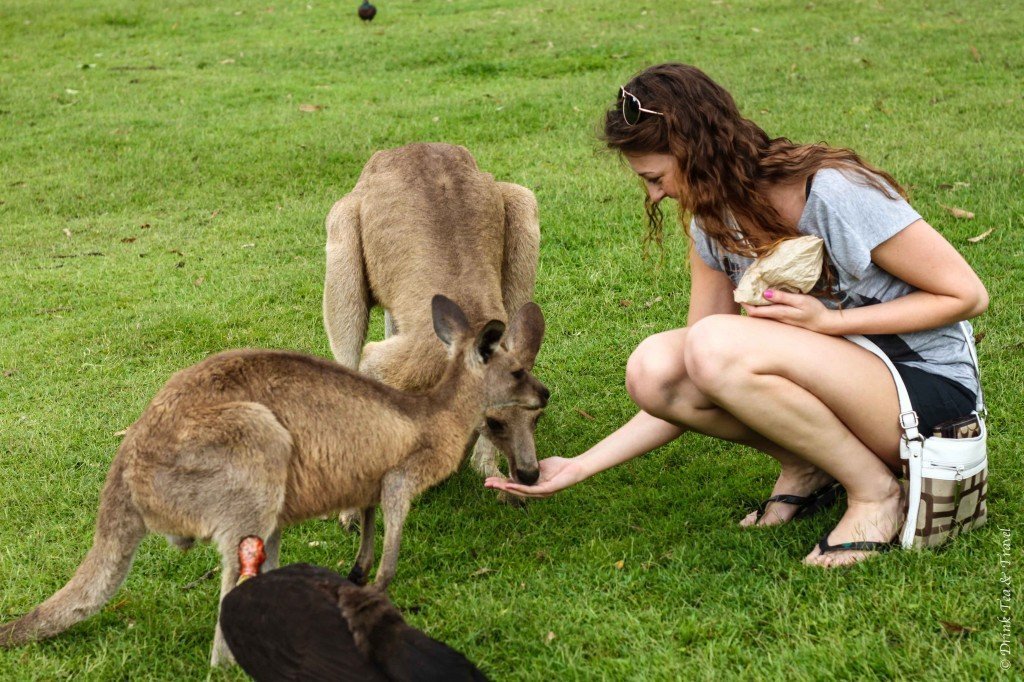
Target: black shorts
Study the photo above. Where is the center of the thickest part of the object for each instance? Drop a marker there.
(935, 398)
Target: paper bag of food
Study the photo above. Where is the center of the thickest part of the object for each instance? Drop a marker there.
(794, 266)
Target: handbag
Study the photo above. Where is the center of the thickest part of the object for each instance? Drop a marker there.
(947, 478)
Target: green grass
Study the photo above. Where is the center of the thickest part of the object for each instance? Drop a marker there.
(163, 197)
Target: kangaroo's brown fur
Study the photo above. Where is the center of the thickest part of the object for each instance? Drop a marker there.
(424, 219)
(249, 441)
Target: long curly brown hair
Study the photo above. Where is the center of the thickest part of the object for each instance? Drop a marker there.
(726, 162)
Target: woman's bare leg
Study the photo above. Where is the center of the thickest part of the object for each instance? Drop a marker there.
(821, 398)
(657, 381)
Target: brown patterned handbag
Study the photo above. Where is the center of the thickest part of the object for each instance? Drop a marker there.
(947, 475)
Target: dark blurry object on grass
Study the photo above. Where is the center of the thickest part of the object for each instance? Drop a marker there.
(367, 11)
(304, 622)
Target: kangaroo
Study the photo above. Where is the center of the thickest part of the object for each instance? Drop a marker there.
(249, 441)
(422, 219)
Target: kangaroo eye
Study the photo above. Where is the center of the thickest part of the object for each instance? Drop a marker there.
(518, 374)
(495, 426)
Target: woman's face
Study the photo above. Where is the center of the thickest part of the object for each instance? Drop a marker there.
(658, 172)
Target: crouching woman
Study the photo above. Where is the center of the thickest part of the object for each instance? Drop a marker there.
(782, 379)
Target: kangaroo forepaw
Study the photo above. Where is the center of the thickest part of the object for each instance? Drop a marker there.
(349, 520)
(357, 575)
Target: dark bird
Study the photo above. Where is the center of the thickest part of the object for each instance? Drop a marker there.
(304, 622)
(367, 11)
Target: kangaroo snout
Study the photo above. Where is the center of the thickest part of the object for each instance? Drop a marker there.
(528, 476)
(543, 393)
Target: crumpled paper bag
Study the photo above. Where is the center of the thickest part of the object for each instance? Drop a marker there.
(794, 266)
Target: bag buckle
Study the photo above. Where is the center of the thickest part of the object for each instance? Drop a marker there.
(908, 420)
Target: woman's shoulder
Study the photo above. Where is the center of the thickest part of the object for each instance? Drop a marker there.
(829, 178)
(849, 192)
(853, 217)
(839, 181)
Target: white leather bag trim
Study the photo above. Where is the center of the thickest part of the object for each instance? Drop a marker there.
(929, 457)
(911, 450)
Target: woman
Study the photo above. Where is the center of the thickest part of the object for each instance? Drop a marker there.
(782, 378)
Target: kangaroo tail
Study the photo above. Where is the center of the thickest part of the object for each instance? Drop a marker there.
(119, 530)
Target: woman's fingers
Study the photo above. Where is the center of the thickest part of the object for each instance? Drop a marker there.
(800, 310)
(509, 486)
(783, 306)
(768, 312)
(556, 473)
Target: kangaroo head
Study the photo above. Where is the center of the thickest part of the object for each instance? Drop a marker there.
(514, 397)
(512, 429)
(503, 360)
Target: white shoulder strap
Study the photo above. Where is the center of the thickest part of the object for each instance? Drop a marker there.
(905, 407)
(912, 439)
(980, 403)
(908, 417)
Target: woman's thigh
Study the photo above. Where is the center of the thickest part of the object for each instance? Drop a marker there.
(852, 382)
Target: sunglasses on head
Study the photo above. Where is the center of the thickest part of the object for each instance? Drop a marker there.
(631, 108)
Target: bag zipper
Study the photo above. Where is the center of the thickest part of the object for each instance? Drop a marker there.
(958, 468)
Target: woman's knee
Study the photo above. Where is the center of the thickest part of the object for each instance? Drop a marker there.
(653, 372)
(717, 350)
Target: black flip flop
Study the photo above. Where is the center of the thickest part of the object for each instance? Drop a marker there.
(807, 505)
(860, 546)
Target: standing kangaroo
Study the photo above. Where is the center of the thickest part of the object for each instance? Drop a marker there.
(249, 441)
(423, 219)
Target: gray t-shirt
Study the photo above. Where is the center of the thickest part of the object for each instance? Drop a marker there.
(853, 218)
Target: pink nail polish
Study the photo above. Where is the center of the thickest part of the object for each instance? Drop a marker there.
(769, 293)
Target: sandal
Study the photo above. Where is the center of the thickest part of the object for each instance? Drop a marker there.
(859, 545)
(807, 505)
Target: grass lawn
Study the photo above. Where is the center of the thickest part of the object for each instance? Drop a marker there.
(162, 196)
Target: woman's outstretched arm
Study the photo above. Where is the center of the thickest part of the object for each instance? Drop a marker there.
(639, 435)
(710, 293)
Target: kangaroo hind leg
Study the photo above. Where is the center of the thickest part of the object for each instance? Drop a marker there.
(398, 361)
(522, 247)
(233, 477)
(346, 291)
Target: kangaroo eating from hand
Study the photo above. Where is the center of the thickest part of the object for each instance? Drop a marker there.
(422, 219)
(249, 441)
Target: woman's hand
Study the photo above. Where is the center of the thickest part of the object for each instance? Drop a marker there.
(799, 310)
(556, 473)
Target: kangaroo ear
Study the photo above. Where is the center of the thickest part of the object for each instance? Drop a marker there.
(525, 334)
(488, 339)
(449, 320)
